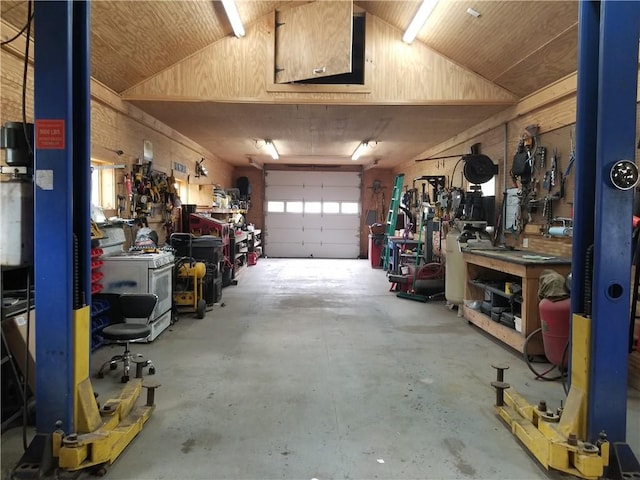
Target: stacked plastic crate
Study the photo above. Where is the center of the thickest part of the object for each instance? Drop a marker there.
(99, 308)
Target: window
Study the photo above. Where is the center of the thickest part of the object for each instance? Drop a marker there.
(489, 188)
(312, 207)
(275, 207)
(183, 189)
(350, 208)
(103, 184)
(294, 207)
(331, 207)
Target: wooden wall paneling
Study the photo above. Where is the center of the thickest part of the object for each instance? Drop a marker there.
(372, 201)
(547, 97)
(104, 131)
(117, 125)
(218, 73)
(553, 60)
(455, 34)
(255, 214)
(11, 88)
(186, 27)
(215, 72)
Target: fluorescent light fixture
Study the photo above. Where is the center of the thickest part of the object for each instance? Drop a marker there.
(234, 17)
(360, 150)
(418, 21)
(272, 149)
(473, 13)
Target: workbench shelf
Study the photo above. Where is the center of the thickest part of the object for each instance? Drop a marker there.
(512, 297)
(485, 269)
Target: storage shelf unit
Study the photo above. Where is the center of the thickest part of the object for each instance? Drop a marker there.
(486, 265)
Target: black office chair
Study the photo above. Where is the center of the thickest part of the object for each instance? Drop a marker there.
(132, 305)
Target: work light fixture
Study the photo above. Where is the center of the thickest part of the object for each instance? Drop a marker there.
(418, 21)
(234, 17)
(201, 170)
(359, 151)
(272, 149)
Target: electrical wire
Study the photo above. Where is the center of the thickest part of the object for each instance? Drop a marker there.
(15, 37)
(25, 71)
(539, 375)
(454, 172)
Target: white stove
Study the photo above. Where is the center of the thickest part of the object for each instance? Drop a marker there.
(152, 259)
(141, 272)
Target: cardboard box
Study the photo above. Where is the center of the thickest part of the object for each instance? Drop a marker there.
(15, 331)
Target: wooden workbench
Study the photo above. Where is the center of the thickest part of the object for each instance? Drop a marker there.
(505, 265)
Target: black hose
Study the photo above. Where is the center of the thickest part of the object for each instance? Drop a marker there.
(539, 375)
(454, 172)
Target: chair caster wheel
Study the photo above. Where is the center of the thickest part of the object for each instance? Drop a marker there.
(99, 375)
(112, 366)
(124, 379)
(152, 370)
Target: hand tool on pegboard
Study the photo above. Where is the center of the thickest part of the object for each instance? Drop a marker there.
(554, 167)
(572, 159)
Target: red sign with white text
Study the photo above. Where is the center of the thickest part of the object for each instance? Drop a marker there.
(50, 134)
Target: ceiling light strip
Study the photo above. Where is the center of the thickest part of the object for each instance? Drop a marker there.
(234, 17)
(359, 151)
(272, 149)
(418, 21)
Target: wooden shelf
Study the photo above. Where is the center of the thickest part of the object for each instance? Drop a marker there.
(507, 335)
(483, 267)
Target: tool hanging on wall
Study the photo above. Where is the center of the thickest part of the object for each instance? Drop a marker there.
(542, 151)
(572, 159)
(554, 167)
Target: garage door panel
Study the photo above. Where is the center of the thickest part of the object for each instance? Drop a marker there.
(338, 236)
(343, 221)
(340, 194)
(311, 193)
(286, 250)
(312, 221)
(283, 193)
(286, 221)
(317, 235)
(279, 178)
(286, 235)
(330, 250)
(335, 179)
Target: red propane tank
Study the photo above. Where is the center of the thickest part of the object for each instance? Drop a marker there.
(555, 320)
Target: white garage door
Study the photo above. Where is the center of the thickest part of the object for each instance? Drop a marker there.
(312, 214)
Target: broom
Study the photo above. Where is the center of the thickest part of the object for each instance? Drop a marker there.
(411, 295)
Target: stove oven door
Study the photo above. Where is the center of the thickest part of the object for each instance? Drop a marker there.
(160, 283)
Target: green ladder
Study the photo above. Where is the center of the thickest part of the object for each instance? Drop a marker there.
(392, 217)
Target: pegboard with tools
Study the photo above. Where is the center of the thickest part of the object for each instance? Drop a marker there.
(541, 194)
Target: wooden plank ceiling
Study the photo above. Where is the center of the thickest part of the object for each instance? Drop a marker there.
(521, 46)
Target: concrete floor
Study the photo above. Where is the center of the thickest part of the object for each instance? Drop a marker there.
(313, 369)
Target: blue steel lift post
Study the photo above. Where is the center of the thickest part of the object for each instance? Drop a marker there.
(62, 199)
(606, 135)
(72, 432)
(577, 440)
